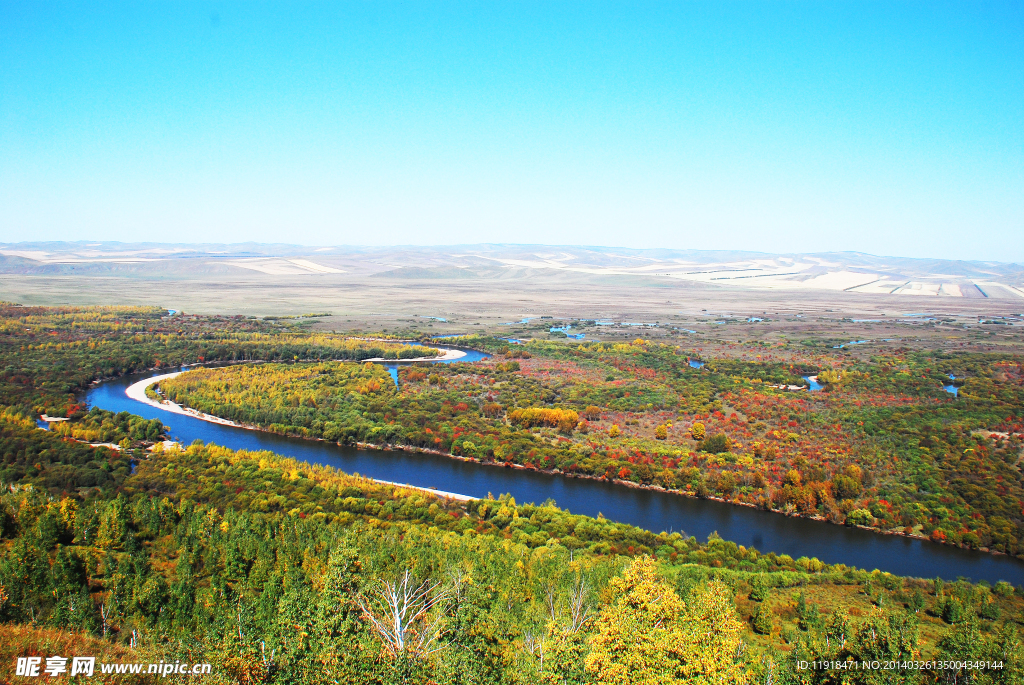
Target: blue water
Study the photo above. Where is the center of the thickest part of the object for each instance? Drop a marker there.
(471, 356)
(695, 363)
(952, 389)
(657, 511)
(852, 342)
(812, 383)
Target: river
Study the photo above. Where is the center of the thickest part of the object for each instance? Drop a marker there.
(652, 510)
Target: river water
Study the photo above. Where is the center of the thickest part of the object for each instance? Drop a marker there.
(656, 511)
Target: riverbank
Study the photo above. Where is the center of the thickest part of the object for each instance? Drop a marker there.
(137, 392)
(640, 486)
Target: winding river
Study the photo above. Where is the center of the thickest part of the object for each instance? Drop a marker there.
(653, 510)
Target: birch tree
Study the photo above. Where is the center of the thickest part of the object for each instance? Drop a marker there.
(407, 618)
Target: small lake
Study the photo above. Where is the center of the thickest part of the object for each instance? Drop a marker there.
(952, 389)
(656, 511)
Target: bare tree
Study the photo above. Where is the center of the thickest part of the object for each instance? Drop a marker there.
(580, 609)
(104, 615)
(551, 599)
(533, 642)
(400, 614)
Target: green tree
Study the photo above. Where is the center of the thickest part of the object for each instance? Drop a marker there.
(759, 587)
(763, 622)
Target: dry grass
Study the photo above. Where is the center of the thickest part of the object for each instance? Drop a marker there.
(23, 640)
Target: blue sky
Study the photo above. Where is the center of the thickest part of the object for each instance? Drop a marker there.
(888, 127)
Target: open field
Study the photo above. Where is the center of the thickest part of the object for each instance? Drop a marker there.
(484, 289)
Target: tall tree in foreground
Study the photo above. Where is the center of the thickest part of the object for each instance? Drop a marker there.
(649, 636)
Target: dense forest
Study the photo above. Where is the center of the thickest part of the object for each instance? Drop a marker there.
(883, 445)
(277, 571)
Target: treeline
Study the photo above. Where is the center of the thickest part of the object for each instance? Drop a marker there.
(102, 426)
(47, 462)
(49, 354)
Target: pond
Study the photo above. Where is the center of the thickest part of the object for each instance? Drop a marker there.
(812, 383)
(852, 342)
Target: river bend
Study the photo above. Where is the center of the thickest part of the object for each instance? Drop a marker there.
(652, 510)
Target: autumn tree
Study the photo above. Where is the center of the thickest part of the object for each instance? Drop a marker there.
(648, 635)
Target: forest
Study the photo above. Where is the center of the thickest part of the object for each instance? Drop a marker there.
(883, 445)
(277, 571)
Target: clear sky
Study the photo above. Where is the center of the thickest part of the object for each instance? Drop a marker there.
(885, 127)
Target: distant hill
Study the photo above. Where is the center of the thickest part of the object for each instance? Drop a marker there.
(852, 272)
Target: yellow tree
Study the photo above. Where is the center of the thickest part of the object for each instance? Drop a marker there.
(649, 636)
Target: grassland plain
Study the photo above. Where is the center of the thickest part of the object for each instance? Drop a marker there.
(258, 564)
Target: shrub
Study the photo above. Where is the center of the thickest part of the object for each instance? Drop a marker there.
(859, 517)
(716, 444)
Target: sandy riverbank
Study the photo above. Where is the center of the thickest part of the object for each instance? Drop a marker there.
(137, 392)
